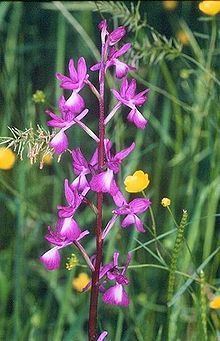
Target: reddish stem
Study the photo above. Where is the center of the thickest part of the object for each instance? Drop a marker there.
(101, 160)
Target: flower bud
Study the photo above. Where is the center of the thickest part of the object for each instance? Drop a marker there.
(116, 35)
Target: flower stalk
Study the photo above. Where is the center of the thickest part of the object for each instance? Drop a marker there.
(98, 232)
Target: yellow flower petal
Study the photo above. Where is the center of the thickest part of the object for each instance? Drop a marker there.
(165, 202)
(215, 303)
(80, 282)
(7, 158)
(170, 5)
(210, 7)
(137, 182)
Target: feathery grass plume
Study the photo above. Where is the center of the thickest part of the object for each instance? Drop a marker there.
(150, 48)
(175, 253)
(35, 142)
(129, 16)
(203, 308)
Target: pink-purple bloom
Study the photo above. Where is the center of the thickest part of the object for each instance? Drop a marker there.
(76, 78)
(128, 97)
(104, 181)
(97, 173)
(73, 198)
(66, 233)
(111, 53)
(130, 210)
(115, 294)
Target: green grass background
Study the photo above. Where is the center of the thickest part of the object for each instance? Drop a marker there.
(180, 149)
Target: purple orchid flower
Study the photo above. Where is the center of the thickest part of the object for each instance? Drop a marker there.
(128, 97)
(81, 168)
(130, 210)
(60, 141)
(75, 82)
(77, 77)
(121, 68)
(116, 294)
(104, 181)
(73, 198)
(66, 233)
(112, 55)
(75, 103)
(112, 38)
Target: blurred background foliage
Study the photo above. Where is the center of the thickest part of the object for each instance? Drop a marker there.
(177, 53)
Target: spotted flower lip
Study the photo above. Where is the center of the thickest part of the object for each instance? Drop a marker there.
(128, 97)
(76, 78)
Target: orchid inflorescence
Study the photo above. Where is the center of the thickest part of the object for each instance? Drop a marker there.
(98, 174)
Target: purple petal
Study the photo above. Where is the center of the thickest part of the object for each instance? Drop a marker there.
(124, 153)
(102, 182)
(104, 30)
(69, 195)
(72, 71)
(139, 205)
(131, 89)
(80, 183)
(116, 295)
(119, 199)
(66, 82)
(107, 146)
(116, 35)
(137, 118)
(117, 95)
(121, 69)
(122, 50)
(75, 103)
(131, 219)
(51, 259)
(102, 336)
(81, 69)
(94, 160)
(59, 142)
(80, 163)
(124, 87)
(141, 98)
(65, 212)
(69, 229)
(95, 67)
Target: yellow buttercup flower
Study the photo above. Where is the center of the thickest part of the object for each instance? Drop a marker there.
(170, 5)
(137, 182)
(81, 281)
(7, 158)
(210, 7)
(165, 202)
(215, 303)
